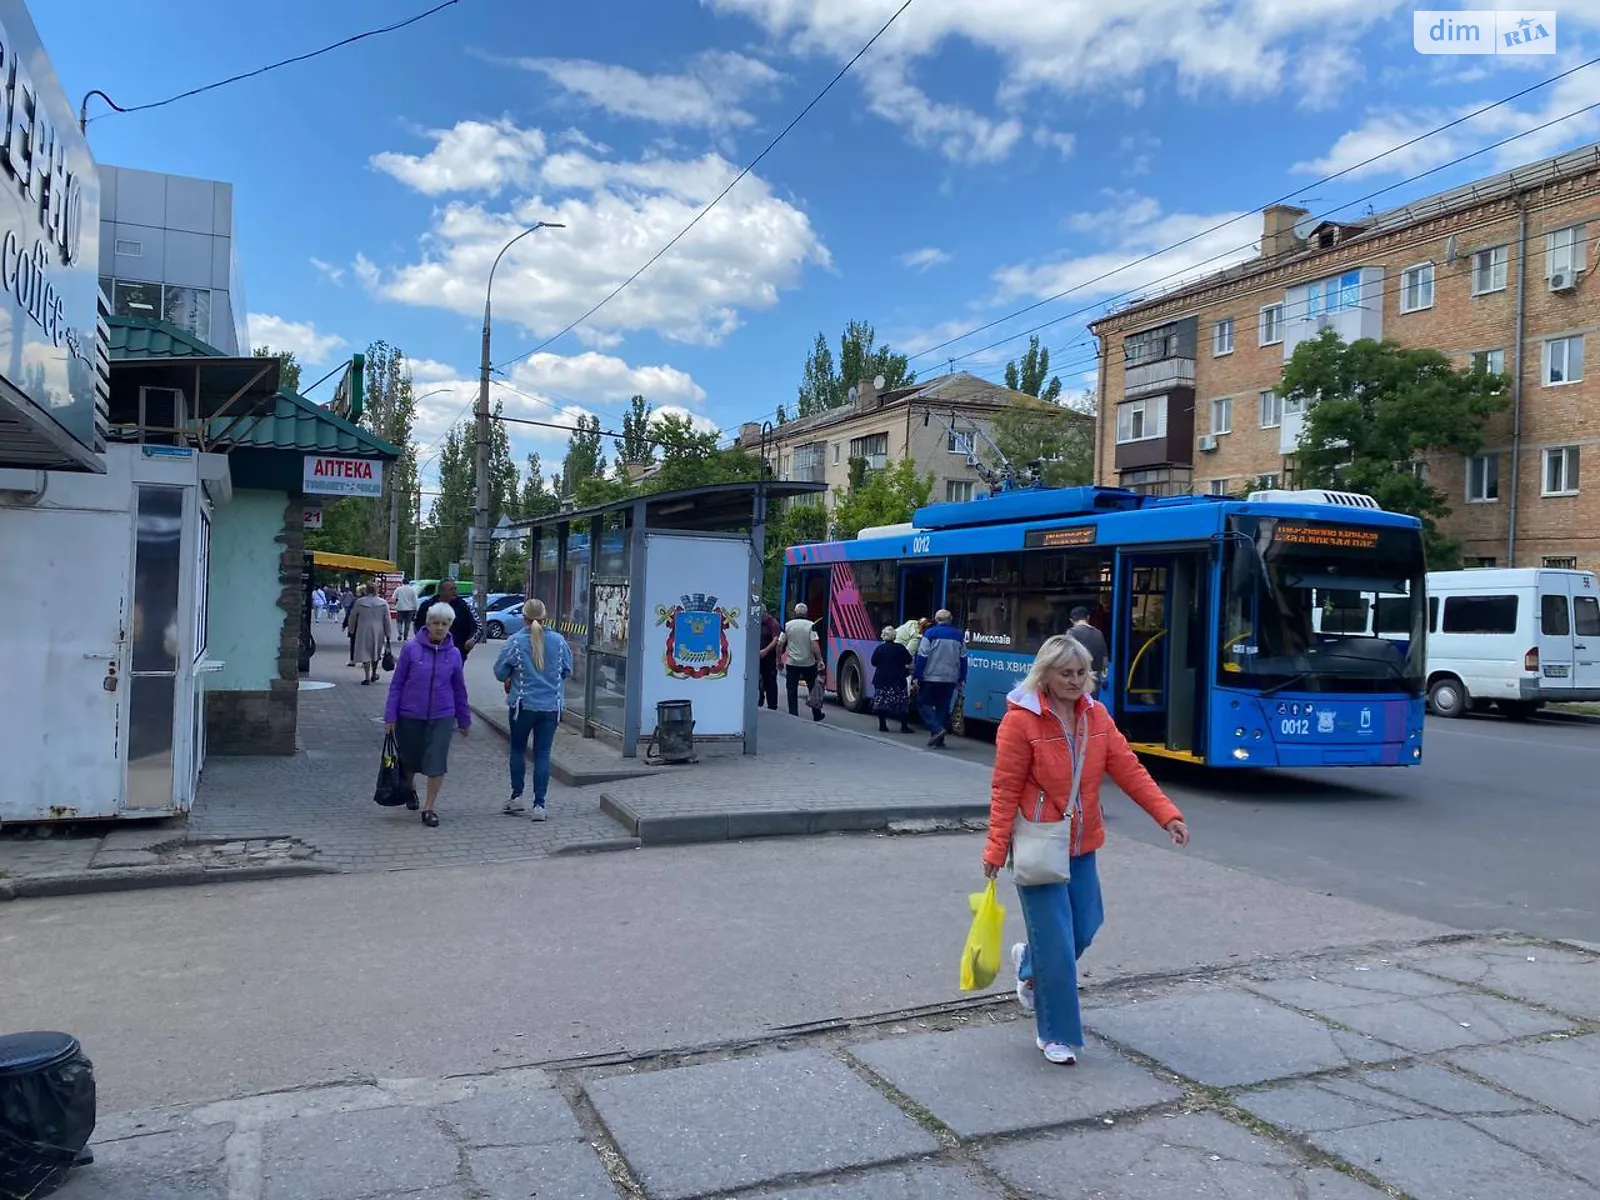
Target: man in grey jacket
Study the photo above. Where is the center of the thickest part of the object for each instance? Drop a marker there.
(941, 667)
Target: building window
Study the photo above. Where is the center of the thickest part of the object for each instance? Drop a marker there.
(1220, 487)
(874, 448)
(1222, 415)
(1490, 362)
(136, 300)
(1561, 471)
(1416, 288)
(1489, 270)
(1341, 293)
(1483, 478)
(1222, 337)
(959, 443)
(130, 248)
(1142, 420)
(1479, 561)
(1271, 410)
(1559, 562)
(188, 308)
(1272, 325)
(1267, 483)
(1564, 251)
(1165, 341)
(807, 465)
(957, 491)
(1563, 360)
(1418, 469)
(836, 454)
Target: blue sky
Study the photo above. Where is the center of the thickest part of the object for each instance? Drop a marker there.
(981, 158)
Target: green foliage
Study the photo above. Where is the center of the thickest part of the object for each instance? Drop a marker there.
(635, 447)
(288, 368)
(536, 498)
(1373, 409)
(885, 497)
(450, 516)
(1058, 438)
(802, 523)
(584, 460)
(822, 387)
(1030, 375)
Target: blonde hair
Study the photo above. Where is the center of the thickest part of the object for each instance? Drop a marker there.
(1056, 655)
(533, 612)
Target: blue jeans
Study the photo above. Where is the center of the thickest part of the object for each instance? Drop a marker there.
(934, 701)
(1062, 919)
(542, 727)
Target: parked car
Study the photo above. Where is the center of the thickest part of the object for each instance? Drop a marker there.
(505, 614)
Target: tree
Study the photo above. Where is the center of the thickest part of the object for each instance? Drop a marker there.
(451, 513)
(584, 460)
(690, 458)
(885, 497)
(822, 387)
(288, 368)
(536, 499)
(389, 412)
(1029, 376)
(635, 448)
(1059, 438)
(802, 523)
(1375, 408)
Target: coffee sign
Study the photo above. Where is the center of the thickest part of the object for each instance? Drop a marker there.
(49, 235)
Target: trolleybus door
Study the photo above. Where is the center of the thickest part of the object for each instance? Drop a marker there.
(921, 590)
(1158, 656)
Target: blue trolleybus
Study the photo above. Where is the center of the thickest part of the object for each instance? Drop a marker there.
(1286, 629)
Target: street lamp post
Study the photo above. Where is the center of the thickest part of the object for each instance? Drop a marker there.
(480, 524)
(394, 505)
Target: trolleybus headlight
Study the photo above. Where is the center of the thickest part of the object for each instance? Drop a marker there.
(1239, 732)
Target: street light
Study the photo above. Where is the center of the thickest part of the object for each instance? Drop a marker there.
(394, 506)
(480, 524)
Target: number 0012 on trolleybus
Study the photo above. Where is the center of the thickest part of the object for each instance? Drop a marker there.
(1224, 617)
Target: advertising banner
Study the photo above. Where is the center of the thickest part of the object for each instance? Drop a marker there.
(697, 604)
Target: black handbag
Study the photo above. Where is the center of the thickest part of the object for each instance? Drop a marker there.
(391, 791)
(388, 659)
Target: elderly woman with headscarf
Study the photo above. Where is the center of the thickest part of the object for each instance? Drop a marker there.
(891, 664)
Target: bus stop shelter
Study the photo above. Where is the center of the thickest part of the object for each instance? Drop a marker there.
(656, 596)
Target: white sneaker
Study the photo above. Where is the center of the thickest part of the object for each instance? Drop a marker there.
(1024, 987)
(513, 807)
(538, 813)
(1058, 1053)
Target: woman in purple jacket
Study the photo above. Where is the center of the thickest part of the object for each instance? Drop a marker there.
(428, 695)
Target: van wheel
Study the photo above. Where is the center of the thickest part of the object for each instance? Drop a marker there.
(1518, 710)
(851, 694)
(1448, 697)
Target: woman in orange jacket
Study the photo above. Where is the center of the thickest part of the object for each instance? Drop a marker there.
(1054, 731)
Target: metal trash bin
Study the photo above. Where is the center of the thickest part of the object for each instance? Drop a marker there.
(47, 1112)
(673, 740)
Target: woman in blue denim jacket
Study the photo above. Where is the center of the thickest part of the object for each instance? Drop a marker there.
(534, 665)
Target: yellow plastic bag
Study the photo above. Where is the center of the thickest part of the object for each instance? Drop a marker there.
(980, 961)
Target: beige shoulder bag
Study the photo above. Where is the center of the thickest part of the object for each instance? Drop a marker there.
(1041, 851)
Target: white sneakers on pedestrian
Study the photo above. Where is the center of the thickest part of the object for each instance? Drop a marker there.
(1024, 987)
(1057, 1053)
(513, 807)
(538, 812)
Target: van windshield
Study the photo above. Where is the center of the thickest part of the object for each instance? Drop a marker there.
(1322, 607)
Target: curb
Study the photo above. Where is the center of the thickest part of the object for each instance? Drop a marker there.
(603, 846)
(565, 774)
(125, 879)
(690, 828)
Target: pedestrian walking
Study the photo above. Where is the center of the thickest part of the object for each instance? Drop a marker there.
(940, 668)
(534, 664)
(405, 608)
(891, 664)
(347, 602)
(464, 630)
(771, 641)
(1055, 745)
(319, 604)
(803, 648)
(1093, 641)
(427, 697)
(370, 630)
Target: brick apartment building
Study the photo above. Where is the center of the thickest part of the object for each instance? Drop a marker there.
(884, 428)
(1500, 272)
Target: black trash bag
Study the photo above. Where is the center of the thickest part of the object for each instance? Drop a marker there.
(391, 791)
(47, 1112)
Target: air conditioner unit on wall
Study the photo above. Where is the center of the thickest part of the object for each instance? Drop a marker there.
(1208, 441)
(1563, 281)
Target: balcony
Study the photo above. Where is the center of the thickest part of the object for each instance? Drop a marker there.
(1163, 375)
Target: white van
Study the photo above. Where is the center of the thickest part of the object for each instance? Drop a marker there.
(1518, 638)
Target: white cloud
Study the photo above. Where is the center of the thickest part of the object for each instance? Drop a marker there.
(924, 259)
(471, 156)
(708, 94)
(430, 369)
(617, 214)
(309, 347)
(1385, 128)
(698, 421)
(1062, 143)
(1133, 227)
(960, 134)
(333, 274)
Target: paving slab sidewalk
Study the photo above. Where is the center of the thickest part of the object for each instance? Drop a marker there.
(956, 1104)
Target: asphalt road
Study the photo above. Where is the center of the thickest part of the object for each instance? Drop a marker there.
(1499, 827)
